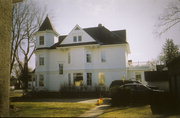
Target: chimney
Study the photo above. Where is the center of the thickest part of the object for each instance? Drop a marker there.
(99, 25)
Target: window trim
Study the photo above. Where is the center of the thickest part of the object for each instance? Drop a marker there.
(69, 58)
(79, 38)
(41, 61)
(77, 76)
(41, 39)
(41, 76)
(89, 79)
(61, 69)
(74, 38)
(103, 57)
(101, 80)
(69, 79)
(88, 57)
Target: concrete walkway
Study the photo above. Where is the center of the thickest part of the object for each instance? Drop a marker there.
(95, 112)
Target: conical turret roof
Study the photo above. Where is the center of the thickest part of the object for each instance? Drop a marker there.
(46, 25)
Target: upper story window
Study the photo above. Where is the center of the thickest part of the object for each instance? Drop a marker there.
(74, 38)
(41, 40)
(88, 57)
(41, 61)
(60, 69)
(69, 58)
(79, 38)
(103, 56)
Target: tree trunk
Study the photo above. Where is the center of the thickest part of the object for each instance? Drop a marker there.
(5, 38)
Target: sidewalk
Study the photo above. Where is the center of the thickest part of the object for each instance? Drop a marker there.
(95, 112)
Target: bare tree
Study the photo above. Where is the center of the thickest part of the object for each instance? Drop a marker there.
(170, 17)
(27, 18)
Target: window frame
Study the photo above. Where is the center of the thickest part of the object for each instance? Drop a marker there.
(41, 40)
(103, 57)
(101, 78)
(77, 76)
(69, 58)
(88, 57)
(69, 79)
(74, 38)
(79, 38)
(41, 61)
(61, 69)
(41, 79)
(89, 79)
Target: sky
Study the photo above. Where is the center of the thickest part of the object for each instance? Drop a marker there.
(138, 17)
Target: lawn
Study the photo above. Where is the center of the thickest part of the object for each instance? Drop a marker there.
(49, 109)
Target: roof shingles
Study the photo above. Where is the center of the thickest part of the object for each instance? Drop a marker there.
(101, 35)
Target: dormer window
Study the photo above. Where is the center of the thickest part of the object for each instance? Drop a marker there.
(79, 38)
(74, 38)
(41, 40)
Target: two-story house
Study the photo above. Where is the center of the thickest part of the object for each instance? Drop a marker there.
(88, 57)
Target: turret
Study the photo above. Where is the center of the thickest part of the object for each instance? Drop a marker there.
(46, 36)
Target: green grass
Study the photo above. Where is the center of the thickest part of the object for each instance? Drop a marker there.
(49, 109)
(15, 94)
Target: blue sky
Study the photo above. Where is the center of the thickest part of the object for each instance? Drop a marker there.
(138, 17)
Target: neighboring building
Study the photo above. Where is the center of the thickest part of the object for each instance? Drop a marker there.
(136, 70)
(159, 79)
(85, 57)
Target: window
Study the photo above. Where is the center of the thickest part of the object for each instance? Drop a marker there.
(79, 38)
(75, 38)
(138, 77)
(36, 81)
(69, 79)
(89, 79)
(101, 77)
(41, 40)
(78, 79)
(41, 80)
(88, 57)
(69, 58)
(41, 61)
(60, 69)
(103, 56)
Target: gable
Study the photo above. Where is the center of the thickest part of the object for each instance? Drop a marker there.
(77, 36)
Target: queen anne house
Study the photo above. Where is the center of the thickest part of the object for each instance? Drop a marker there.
(89, 57)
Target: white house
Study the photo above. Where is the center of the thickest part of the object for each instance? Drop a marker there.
(85, 57)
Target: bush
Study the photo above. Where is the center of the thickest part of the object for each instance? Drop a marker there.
(163, 103)
(83, 91)
(119, 96)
